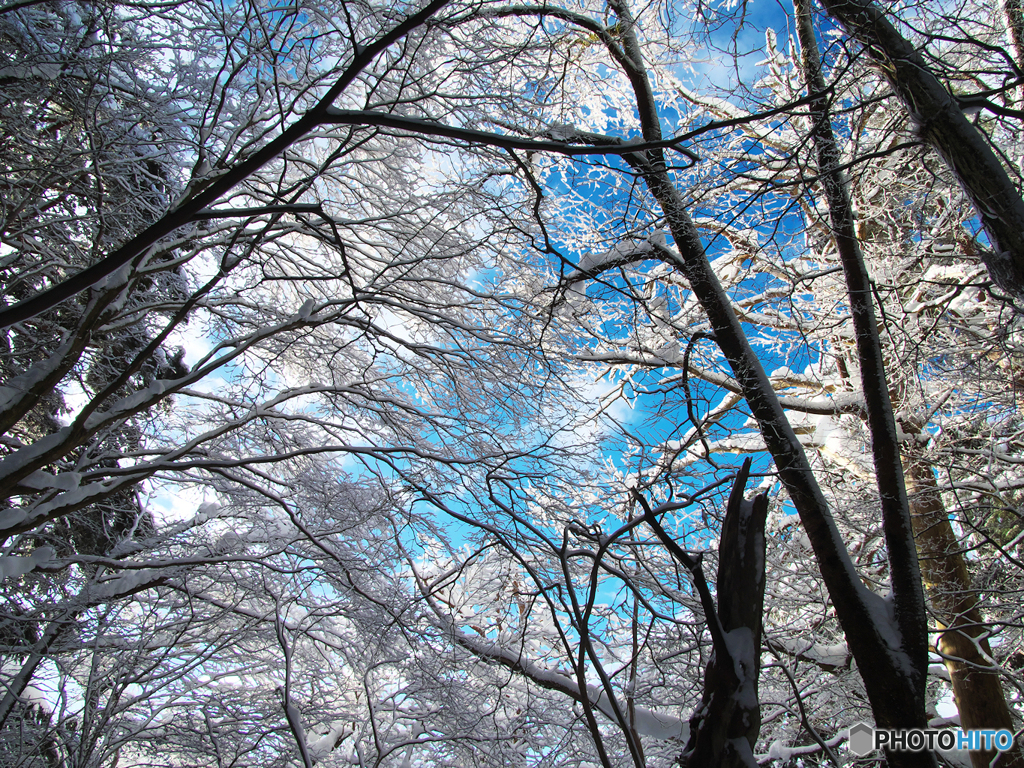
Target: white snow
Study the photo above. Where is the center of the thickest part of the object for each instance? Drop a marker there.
(17, 386)
(13, 566)
(121, 585)
(561, 132)
(740, 643)
(831, 655)
(648, 723)
(592, 262)
(11, 517)
(127, 405)
(884, 620)
(208, 510)
(320, 748)
(778, 750)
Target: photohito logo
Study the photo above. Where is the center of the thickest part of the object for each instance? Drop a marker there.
(864, 739)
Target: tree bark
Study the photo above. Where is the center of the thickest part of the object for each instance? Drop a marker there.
(964, 648)
(1015, 25)
(963, 642)
(893, 675)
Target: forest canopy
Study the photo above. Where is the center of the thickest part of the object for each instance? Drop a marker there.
(478, 383)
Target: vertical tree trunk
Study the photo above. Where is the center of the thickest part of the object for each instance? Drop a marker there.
(896, 518)
(724, 731)
(978, 693)
(885, 446)
(963, 643)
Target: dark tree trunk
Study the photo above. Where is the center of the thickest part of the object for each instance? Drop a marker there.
(885, 444)
(724, 732)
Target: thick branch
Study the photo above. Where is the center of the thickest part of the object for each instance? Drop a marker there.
(729, 716)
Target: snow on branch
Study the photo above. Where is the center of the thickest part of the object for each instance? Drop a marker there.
(655, 725)
(12, 566)
(831, 658)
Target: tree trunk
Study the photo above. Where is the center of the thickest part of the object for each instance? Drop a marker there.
(885, 445)
(891, 650)
(963, 644)
(724, 731)
(965, 650)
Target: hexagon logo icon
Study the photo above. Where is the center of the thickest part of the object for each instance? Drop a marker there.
(862, 739)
